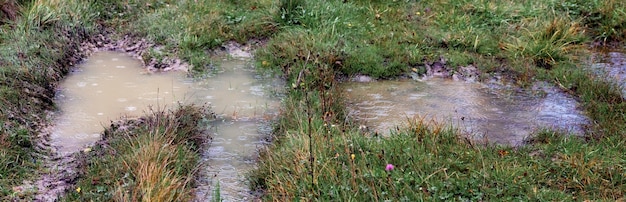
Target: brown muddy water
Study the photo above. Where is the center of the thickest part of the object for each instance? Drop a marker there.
(245, 102)
(110, 85)
(492, 114)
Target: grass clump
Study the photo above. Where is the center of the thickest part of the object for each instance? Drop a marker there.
(605, 19)
(154, 158)
(555, 42)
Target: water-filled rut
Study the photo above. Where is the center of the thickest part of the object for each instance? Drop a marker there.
(496, 115)
(110, 85)
(245, 101)
(107, 86)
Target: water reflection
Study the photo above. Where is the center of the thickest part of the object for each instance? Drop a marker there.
(500, 116)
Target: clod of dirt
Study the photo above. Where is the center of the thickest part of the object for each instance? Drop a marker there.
(438, 69)
(441, 70)
(362, 79)
(467, 73)
(237, 50)
(137, 48)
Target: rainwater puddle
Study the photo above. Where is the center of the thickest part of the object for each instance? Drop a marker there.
(245, 102)
(107, 86)
(110, 85)
(613, 65)
(495, 115)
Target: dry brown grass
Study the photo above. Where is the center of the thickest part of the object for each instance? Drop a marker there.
(155, 181)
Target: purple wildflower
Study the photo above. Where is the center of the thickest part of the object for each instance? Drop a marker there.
(389, 167)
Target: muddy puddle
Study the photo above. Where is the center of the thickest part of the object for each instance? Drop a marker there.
(245, 102)
(496, 115)
(110, 85)
(612, 65)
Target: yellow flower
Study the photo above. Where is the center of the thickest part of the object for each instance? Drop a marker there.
(352, 156)
(349, 24)
(418, 13)
(78, 189)
(265, 63)
(88, 149)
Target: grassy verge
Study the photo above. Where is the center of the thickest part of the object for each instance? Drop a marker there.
(430, 162)
(36, 50)
(189, 29)
(150, 159)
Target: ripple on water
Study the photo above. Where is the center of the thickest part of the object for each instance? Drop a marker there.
(237, 95)
(100, 91)
(501, 116)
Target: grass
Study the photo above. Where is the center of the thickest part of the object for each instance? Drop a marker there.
(35, 52)
(188, 29)
(431, 162)
(316, 42)
(149, 159)
(313, 155)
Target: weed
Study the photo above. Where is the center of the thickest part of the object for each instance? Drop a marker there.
(217, 197)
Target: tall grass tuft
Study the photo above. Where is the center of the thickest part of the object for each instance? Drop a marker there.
(290, 11)
(605, 19)
(551, 43)
(153, 158)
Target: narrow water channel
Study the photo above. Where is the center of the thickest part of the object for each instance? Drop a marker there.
(494, 115)
(110, 85)
(245, 102)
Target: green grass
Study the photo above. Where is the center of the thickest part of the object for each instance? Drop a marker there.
(433, 163)
(316, 42)
(35, 52)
